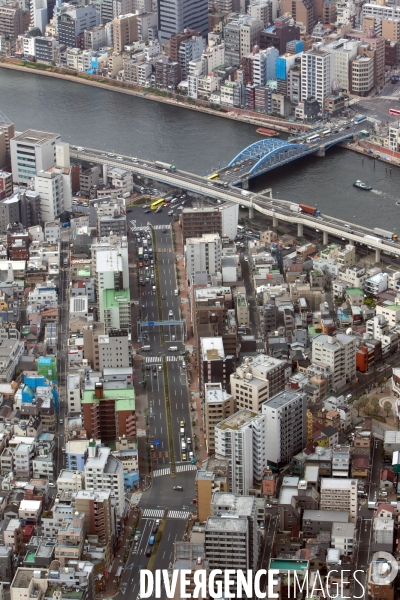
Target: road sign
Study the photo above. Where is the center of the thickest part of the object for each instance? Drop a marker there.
(150, 323)
(156, 442)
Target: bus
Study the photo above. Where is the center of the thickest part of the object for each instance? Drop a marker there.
(394, 111)
(326, 132)
(312, 138)
(140, 253)
(359, 119)
(162, 165)
(157, 204)
(213, 176)
(221, 183)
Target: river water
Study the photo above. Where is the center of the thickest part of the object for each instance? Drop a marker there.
(196, 142)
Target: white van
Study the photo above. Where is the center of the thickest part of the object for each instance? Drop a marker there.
(173, 349)
(176, 292)
(146, 348)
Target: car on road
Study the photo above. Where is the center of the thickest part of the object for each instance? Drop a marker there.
(159, 209)
(163, 297)
(148, 368)
(119, 158)
(184, 457)
(110, 154)
(246, 259)
(155, 374)
(165, 230)
(155, 528)
(61, 421)
(170, 314)
(148, 551)
(148, 211)
(178, 488)
(160, 367)
(146, 206)
(52, 485)
(154, 367)
(143, 306)
(181, 423)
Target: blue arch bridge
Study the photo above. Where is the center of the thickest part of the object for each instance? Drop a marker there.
(270, 153)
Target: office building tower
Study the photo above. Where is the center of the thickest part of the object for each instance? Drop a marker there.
(31, 152)
(227, 543)
(176, 15)
(215, 365)
(203, 254)
(125, 31)
(73, 22)
(213, 476)
(285, 427)
(302, 11)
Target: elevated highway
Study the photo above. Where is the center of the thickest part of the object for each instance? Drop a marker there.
(263, 203)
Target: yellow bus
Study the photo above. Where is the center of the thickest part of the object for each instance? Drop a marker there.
(214, 176)
(157, 204)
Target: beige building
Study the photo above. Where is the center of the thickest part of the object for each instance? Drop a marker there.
(242, 309)
(302, 12)
(28, 583)
(257, 380)
(70, 480)
(70, 539)
(213, 476)
(99, 516)
(188, 556)
(362, 74)
(339, 494)
(218, 406)
(391, 29)
(125, 31)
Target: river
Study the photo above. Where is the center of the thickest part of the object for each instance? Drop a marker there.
(196, 142)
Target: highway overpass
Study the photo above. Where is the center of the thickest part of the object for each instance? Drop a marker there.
(277, 210)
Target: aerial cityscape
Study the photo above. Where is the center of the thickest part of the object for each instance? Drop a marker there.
(199, 299)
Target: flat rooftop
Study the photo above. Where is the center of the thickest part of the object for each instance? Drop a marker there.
(238, 420)
(33, 137)
(234, 524)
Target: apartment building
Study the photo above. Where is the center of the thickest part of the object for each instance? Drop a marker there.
(234, 443)
(72, 22)
(100, 518)
(213, 476)
(362, 74)
(104, 472)
(203, 254)
(227, 543)
(285, 427)
(32, 152)
(317, 75)
(14, 20)
(109, 413)
(218, 406)
(339, 495)
(222, 220)
(242, 507)
(302, 12)
(125, 31)
(257, 380)
(216, 366)
(338, 353)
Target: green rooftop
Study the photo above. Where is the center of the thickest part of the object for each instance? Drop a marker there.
(391, 306)
(83, 272)
(125, 399)
(30, 557)
(288, 564)
(112, 298)
(354, 292)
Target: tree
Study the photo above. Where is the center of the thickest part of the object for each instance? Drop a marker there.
(387, 407)
(375, 406)
(360, 403)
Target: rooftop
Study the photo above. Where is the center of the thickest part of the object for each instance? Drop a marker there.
(235, 524)
(288, 564)
(127, 395)
(238, 420)
(37, 138)
(112, 298)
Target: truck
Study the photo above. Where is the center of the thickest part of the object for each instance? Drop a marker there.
(162, 165)
(245, 193)
(295, 208)
(386, 234)
(374, 239)
(310, 210)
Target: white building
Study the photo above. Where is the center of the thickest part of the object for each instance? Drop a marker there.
(342, 538)
(264, 66)
(344, 51)
(376, 284)
(339, 494)
(230, 216)
(391, 312)
(74, 394)
(338, 353)
(234, 443)
(212, 57)
(104, 472)
(317, 75)
(121, 179)
(31, 152)
(110, 270)
(285, 426)
(203, 254)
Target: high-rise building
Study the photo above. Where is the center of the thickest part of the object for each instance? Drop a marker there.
(13, 21)
(227, 505)
(99, 514)
(338, 353)
(73, 22)
(219, 405)
(6, 185)
(279, 34)
(215, 365)
(199, 220)
(176, 15)
(105, 472)
(31, 152)
(257, 380)
(285, 427)
(49, 186)
(203, 254)
(234, 443)
(213, 476)
(125, 31)
(109, 413)
(227, 543)
(317, 75)
(302, 11)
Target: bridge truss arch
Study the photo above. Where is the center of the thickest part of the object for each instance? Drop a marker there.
(269, 154)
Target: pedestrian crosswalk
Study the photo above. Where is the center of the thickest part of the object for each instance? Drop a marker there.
(135, 229)
(178, 514)
(157, 359)
(187, 467)
(150, 513)
(179, 469)
(161, 226)
(158, 472)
